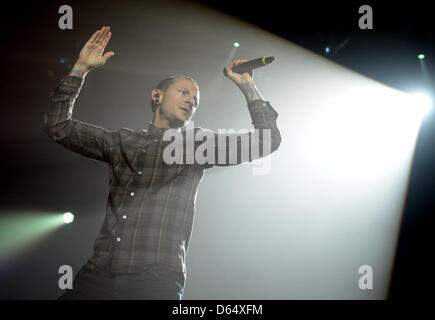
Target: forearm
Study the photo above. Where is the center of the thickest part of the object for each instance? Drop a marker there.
(79, 70)
(250, 91)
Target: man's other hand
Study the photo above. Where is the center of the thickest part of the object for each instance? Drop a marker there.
(90, 56)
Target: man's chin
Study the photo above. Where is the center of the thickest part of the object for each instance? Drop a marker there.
(177, 122)
(184, 118)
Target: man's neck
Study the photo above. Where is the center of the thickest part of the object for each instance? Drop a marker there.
(166, 123)
(158, 125)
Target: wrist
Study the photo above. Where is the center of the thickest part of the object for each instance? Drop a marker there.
(79, 70)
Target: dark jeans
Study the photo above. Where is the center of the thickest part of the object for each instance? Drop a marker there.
(151, 284)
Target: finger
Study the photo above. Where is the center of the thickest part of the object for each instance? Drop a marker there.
(94, 36)
(107, 55)
(103, 35)
(106, 39)
(106, 32)
(233, 64)
(100, 35)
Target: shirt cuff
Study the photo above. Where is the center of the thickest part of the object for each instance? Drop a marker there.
(70, 85)
(256, 106)
(261, 109)
(73, 80)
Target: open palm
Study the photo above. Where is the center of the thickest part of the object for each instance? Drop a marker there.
(91, 54)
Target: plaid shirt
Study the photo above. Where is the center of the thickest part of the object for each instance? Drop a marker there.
(150, 208)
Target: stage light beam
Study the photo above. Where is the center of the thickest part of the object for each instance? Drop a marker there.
(423, 102)
(20, 230)
(365, 139)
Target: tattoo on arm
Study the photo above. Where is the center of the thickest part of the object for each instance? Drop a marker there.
(77, 73)
(250, 91)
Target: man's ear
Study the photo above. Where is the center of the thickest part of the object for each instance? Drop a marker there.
(155, 93)
(156, 96)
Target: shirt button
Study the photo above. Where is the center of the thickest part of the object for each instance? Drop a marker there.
(132, 194)
(124, 216)
(118, 239)
(139, 172)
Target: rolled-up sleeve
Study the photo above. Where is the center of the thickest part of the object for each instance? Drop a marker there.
(231, 148)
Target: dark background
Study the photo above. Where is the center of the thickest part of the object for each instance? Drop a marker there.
(388, 54)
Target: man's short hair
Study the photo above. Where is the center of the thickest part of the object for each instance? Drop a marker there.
(164, 85)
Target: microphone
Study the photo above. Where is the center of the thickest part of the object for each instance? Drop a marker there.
(250, 65)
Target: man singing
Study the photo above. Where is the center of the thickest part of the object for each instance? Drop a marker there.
(141, 249)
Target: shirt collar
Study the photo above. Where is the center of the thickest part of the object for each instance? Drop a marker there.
(156, 131)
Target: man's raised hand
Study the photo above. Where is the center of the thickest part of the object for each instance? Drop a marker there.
(235, 77)
(91, 56)
(244, 81)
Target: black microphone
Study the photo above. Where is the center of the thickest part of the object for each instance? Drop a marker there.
(250, 65)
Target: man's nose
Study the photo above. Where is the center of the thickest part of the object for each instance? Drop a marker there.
(190, 102)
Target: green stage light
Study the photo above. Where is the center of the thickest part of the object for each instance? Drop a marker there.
(236, 45)
(421, 56)
(68, 217)
(19, 230)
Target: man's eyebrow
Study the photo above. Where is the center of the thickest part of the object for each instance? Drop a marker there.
(185, 89)
(196, 97)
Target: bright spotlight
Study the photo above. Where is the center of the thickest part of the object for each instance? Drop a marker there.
(236, 45)
(369, 136)
(68, 217)
(421, 56)
(422, 101)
